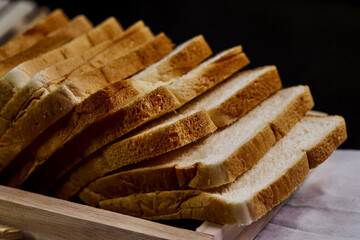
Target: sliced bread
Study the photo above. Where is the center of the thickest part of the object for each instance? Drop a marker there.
(26, 70)
(53, 21)
(181, 60)
(144, 109)
(209, 163)
(52, 77)
(150, 106)
(174, 131)
(276, 175)
(54, 40)
(62, 100)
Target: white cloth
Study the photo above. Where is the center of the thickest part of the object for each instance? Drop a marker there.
(325, 206)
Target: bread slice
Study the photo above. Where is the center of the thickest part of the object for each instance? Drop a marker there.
(53, 21)
(62, 100)
(178, 130)
(180, 61)
(210, 163)
(147, 107)
(54, 40)
(271, 180)
(119, 122)
(26, 70)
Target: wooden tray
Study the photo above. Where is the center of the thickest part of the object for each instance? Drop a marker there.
(42, 217)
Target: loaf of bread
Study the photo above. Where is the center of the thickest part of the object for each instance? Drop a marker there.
(128, 124)
(25, 71)
(63, 99)
(266, 184)
(208, 163)
(176, 130)
(52, 41)
(102, 102)
(148, 107)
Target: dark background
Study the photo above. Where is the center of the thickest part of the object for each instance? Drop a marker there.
(311, 42)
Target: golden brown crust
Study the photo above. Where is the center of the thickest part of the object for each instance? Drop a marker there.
(209, 207)
(148, 106)
(279, 190)
(80, 141)
(127, 118)
(203, 176)
(199, 175)
(135, 149)
(213, 74)
(153, 104)
(19, 136)
(53, 21)
(53, 138)
(54, 40)
(96, 56)
(110, 29)
(132, 38)
(292, 114)
(234, 165)
(324, 149)
(55, 105)
(144, 56)
(251, 95)
(201, 205)
(195, 52)
(22, 98)
(173, 177)
(71, 125)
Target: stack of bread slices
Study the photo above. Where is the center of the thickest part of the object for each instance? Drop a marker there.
(127, 121)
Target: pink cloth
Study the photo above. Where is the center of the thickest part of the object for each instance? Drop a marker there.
(325, 206)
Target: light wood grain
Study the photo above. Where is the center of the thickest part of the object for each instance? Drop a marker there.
(41, 217)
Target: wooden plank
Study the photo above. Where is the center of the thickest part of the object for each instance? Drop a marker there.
(9, 233)
(42, 217)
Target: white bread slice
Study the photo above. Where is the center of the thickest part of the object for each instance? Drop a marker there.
(39, 31)
(148, 107)
(62, 100)
(54, 40)
(142, 108)
(209, 163)
(271, 180)
(26, 70)
(187, 130)
(177, 130)
(181, 60)
(202, 78)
